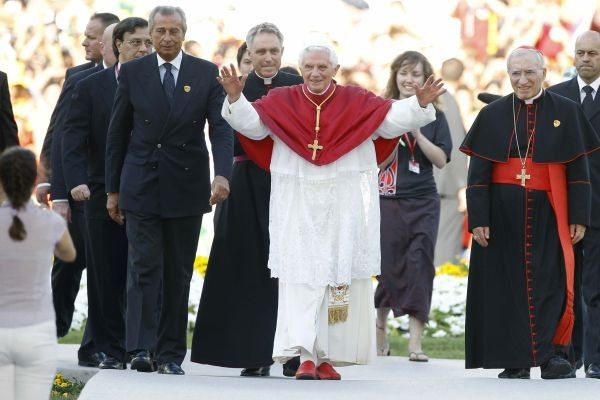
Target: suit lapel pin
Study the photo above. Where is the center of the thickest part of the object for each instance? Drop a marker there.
(556, 123)
(187, 88)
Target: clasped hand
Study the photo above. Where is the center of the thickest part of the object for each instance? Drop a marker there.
(220, 190)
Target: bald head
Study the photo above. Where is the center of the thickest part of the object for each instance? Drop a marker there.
(587, 56)
(108, 54)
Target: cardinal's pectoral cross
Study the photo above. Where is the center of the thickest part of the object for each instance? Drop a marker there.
(523, 176)
(315, 146)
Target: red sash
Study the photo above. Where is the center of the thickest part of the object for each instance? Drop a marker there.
(552, 179)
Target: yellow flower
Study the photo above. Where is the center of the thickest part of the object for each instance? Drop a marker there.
(65, 394)
(200, 265)
(64, 385)
(452, 269)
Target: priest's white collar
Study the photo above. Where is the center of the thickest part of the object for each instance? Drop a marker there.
(594, 84)
(319, 94)
(531, 100)
(267, 81)
(176, 62)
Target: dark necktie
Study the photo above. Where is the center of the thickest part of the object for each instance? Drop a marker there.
(169, 82)
(588, 101)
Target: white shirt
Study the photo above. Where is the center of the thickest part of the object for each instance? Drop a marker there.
(582, 84)
(175, 66)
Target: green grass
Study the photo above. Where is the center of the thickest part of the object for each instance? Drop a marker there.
(446, 347)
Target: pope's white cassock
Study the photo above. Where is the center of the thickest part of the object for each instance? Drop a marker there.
(324, 232)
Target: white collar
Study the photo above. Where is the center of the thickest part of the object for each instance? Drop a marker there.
(594, 84)
(176, 62)
(530, 101)
(267, 81)
(318, 94)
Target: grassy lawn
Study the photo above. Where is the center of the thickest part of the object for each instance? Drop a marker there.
(446, 347)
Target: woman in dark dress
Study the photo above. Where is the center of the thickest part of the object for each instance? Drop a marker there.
(410, 212)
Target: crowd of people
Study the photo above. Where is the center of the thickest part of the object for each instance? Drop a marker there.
(318, 184)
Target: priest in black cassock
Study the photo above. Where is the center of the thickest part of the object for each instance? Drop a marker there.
(528, 200)
(235, 325)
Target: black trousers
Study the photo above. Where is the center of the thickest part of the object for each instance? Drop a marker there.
(66, 278)
(161, 255)
(107, 276)
(590, 290)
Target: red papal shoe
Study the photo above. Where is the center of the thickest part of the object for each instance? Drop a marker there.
(306, 371)
(327, 373)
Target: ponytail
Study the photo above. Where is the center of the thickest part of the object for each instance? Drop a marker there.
(18, 171)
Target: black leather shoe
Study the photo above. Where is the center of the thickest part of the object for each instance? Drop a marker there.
(93, 360)
(142, 361)
(262, 371)
(112, 363)
(514, 373)
(170, 368)
(291, 366)
(577, 364)
(557, 368)
(593, 371)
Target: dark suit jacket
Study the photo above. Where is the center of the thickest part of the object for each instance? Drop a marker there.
(84, 140)
(8, 126)
(156, 156)
(58, 189)
(570, 90)
(46, 156)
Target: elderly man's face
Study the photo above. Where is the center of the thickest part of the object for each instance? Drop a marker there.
(526, 75)
(265, 52)
(317, 70)
(167, 35)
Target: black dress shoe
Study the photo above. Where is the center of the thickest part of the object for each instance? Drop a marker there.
(514, 373)
(557, 368)
(291, 366)
(593, 371)
(577, 364)
(170, 368)
(112, 363)
(93, 360)
(262, 371)
(142, 361)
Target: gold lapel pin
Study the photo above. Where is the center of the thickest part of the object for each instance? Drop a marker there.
(556, 123)
(187, 89)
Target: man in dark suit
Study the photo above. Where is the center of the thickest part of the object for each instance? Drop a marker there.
(84, 148)
(66, 276)
(583, 89)
(157, 173)
(8, 126)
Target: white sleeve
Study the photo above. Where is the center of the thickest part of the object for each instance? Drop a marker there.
(243, 118)
(404, 116)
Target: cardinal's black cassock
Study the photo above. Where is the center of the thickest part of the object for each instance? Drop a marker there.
(527, 188)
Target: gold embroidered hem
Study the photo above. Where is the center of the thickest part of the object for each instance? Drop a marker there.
(339, 301)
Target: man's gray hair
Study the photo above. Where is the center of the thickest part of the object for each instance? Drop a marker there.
(265, 27)
(523, 51)
(325, 48)
(167, 10)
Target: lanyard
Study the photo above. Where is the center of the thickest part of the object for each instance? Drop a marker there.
(412, 144)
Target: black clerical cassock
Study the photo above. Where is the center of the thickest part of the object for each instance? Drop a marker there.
(527, 188)
(235, 325)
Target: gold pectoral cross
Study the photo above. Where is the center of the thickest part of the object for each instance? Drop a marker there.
(523, 176)
(315, 146)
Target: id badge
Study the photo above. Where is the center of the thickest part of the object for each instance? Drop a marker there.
(413, 166)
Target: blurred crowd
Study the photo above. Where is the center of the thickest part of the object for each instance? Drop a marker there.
(40, 38)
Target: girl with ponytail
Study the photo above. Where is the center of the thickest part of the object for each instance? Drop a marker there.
(29, 235)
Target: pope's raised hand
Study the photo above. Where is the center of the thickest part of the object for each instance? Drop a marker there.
(231, 82)
(430, 91)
